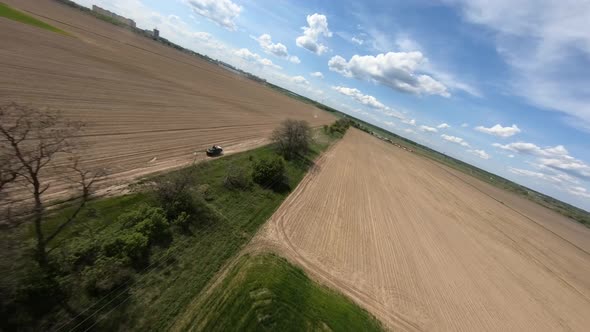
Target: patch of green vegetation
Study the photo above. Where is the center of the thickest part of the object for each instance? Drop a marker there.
(16, 15)
(338, 128)
(135, 262)
(267, 293)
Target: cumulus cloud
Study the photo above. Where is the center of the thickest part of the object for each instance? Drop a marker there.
(556, 178)
(397, 70)
(368, 100)
(276, 49)
(409, 131)
(360, 97)
(480, 153)
(411, 122)
(464, 125)
(499, 131)
(246, 54)
(579, 191)
(317, 74)
(556, 158)
(222, 12)
(339, 65)
(317, 26)
(454, 139)
(443, 126)
(428, 129)
(533, 149)
(561, 181)
(299, 80)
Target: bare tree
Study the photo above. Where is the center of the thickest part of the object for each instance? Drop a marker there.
(30, 142)
(293, 137)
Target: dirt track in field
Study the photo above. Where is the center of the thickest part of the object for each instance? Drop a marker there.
(148, 107)
(423, 247)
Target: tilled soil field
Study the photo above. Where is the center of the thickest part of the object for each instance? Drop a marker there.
(148, 107)
(424, 247)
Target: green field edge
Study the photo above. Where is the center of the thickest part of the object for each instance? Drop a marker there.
(263, 291)
(18, 16)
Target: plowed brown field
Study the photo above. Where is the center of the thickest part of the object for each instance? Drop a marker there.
(425, 248)
(148, 107)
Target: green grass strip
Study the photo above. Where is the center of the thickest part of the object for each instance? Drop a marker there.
(15, 15)
(267, 293)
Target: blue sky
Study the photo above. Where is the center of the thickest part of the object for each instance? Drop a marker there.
(503, 85)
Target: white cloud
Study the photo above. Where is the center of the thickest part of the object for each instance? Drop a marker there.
(357, 41)
(299, 80)
(547, 44)
(556, 178)
(443, 126)
(570, 166)
(464, 125)
(246, 54)
(533, 149)
(556, 158)
(579, 191)
(499, 131)
(368, 101)
(454, 139)
(317, 26)
(339, 65)
(317, 74)
(411, 122)
(409, 131)
(360, 97)
(389, 123)
(562, 181)
(222, 12)
(397, 70)
(428, 129)
(276, 49)
(480, 153)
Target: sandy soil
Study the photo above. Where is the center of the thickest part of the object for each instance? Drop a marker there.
(148, 107)
(423, 247)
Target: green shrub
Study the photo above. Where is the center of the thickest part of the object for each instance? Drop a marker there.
(156, 228)
(131, 245)
(81, 251)
(149, 221)
(172, 191)
(340, 126)
(105, 275)
(292, 138)
(39, 292)
(237, 178)
(183, 221)
(269, 172)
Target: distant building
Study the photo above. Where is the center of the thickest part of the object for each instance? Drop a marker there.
(154, 34)
(114, 16)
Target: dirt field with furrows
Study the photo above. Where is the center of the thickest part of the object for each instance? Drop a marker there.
(148, 107)
(424, 247)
